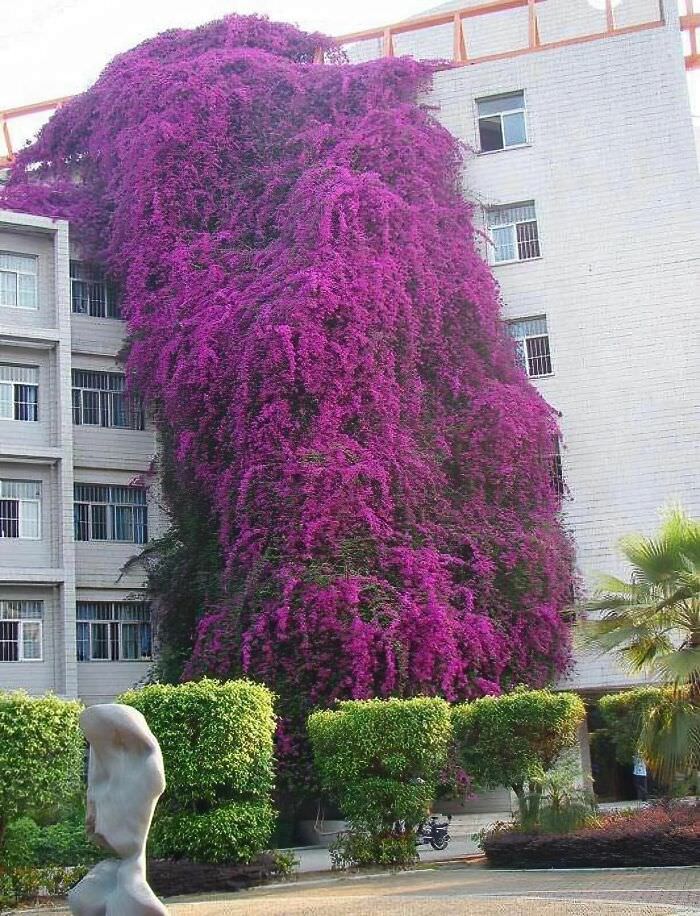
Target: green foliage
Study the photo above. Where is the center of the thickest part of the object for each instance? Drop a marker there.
(233, 833)
(515, 740)
(23, 884)
(64, 844)
(359, 849)
(41, 753)
(381, 760)
(217, 743)
(624, 715)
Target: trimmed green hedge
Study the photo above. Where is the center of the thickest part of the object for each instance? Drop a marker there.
(515, 739)
(217, 744)
(41, 753)
(381, 760)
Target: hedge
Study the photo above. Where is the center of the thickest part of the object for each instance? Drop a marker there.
(217, 744)
(41, 753)
(515, 739)
(381, 761)
(654, 836)
(624, 714)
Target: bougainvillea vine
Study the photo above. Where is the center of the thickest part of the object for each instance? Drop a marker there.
(310, 316)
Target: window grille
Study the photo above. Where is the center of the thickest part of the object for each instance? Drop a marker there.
(20, 509)
(514, 232)
(21, 630)
(557, 471)
(19, 393)
(113, 631)
(110, 513)
(502, 121)
(99, 399)
(532, 345)
(91, 293)
(18, 280)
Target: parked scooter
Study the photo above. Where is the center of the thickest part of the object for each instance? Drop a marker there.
(434, 832)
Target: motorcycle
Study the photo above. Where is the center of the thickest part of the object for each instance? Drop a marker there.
(434, 832)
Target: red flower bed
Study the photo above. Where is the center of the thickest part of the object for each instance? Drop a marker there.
(658, 835)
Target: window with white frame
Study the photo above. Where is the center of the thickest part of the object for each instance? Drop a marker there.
(18, 280)
(21, 630)
(100, 399)
(112, 631)
(20, 509)
(514, 233)
(19, 392)
(502, 121)
(532, 345)
(91, 293)
(110, 513)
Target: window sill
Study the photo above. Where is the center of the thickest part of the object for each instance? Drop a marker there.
(515, 261)
(22, 661)
(534, 378)
(506, 149)
(115, 661)
(96, 317)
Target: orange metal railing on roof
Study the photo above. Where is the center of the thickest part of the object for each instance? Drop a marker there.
(459, 20)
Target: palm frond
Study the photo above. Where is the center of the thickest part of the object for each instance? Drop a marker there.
(679, 666)
(670, 738)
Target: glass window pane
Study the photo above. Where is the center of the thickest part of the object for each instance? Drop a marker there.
(99, 523)
(26, 402)
(28, 519)
(528, 241)
(7, 409)
(514, 129)
(81, 526)
(504, 244)
(26, 291)
(8, 288)
(123, 523)
(9, 641)
(130, 641)
(91, 408)
(498, 103)
(31, 639)
(490, 134)
(82, 641)
(100, 641)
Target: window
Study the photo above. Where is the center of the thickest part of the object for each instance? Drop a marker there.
(18, 280)
(502, 121)
(109, 513)
(91, 294)
(19, 393)
(514, 232)
(99, 399)
(557, 470)
(20, 509)
(532, 345)
(20, 631)
(112, 631)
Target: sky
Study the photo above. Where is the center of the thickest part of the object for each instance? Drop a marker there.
(52, 48)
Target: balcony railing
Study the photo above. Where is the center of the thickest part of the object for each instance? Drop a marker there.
(458, 21)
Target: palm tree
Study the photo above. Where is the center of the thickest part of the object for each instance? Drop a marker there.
(652, 623)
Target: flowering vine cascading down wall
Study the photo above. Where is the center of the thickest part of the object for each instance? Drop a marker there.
(310, 317)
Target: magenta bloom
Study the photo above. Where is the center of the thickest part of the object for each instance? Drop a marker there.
(309, 314)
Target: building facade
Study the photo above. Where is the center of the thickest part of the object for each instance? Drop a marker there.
(583, 170)
(75, 506)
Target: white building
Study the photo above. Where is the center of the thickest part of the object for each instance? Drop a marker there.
(73, 444)
(586, 177)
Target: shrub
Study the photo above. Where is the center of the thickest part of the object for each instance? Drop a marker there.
(41, 753)
(381, 760)
(20, 884)
(654, 836)
(515, 740)
(624, 715)
(217, 748)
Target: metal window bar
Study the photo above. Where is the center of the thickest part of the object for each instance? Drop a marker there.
(557, 473)
(99, 400)
(104, 513)
(18, 280)
(528, 241)
(91, 292)
(21, 630)
(113, 631)
(26, 403)
(539, 361)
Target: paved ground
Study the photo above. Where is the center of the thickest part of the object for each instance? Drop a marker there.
(468, 889)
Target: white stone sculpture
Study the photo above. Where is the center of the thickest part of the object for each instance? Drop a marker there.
(125, 780)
